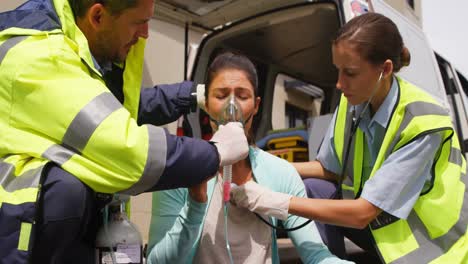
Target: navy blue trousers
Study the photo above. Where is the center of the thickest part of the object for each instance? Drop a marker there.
(68, 220)
(333, 236)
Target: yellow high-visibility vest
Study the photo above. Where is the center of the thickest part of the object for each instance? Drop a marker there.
(435, 231)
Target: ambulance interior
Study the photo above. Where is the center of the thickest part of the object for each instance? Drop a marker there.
(291, 48)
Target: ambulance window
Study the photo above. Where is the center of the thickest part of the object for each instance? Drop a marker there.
(448, 82)
(294, 102)
(464, 100)
(295, 116)
(463, 82)
(455, 100)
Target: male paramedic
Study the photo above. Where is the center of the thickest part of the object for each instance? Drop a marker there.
(74, 125)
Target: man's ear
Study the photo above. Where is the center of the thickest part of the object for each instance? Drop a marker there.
(95, 15)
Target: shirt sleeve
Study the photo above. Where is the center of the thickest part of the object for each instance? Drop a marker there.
(396, 186)
(175, 224)
(327, 155)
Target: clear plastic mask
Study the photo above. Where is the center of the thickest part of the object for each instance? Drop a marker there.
(230, 112)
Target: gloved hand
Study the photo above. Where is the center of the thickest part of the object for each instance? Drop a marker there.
(231, 142)
(197, 97)
(261, 200)
(201, 96)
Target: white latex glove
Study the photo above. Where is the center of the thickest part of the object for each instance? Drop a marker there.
(231, 142)
(201, 96)
(261, 200)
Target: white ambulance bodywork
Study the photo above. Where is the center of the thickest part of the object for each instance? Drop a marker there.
(232, 19)
(179, 24)
(424, 70)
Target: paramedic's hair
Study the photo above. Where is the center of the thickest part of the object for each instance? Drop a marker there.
(230, 60)
(79, 7)
(376, 38)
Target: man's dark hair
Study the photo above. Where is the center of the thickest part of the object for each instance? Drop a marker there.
(79, 7)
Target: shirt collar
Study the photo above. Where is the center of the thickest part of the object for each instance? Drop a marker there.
(106, 67)
(385, 110)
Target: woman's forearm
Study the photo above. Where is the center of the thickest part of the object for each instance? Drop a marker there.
(348, 213)
(313, 169)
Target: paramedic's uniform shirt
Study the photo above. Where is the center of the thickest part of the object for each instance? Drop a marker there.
(396, 186)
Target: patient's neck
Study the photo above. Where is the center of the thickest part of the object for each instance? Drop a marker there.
(241, 172)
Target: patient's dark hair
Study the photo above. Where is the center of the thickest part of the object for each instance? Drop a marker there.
(376, 38)
(79, 7)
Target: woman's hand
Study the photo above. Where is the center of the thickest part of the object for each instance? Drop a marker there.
(259, 199)
(198, 192)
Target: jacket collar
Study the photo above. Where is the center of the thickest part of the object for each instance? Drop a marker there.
(36, 16)
(71, 30)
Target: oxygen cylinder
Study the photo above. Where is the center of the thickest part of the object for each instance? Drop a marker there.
(118, 241)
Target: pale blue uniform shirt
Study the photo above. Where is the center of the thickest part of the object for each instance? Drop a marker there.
(105, 67)
(396, 186)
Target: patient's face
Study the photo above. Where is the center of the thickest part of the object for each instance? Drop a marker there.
(225, 83)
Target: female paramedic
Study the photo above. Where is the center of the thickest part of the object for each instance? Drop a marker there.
(189, 226)
(394, 154)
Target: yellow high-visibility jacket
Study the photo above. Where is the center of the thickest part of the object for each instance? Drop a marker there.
(55, 107)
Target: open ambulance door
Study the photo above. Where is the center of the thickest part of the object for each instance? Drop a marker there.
(291, 48)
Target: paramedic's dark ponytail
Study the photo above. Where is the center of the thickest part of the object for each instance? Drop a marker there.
(376, 38)
(405, 57)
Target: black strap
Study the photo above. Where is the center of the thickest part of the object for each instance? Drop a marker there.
(282, 228)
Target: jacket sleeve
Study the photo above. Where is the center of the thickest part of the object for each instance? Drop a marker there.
(175, 225)
(163, 104)
(189, 161)
(307, 240)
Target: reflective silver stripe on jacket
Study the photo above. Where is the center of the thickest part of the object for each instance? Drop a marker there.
(88, 119)
(10, 182)
(428, 249)
(155, 163)
(58, 154)
(82, 128)
(8, 44)
(413, 110)
(456, 157)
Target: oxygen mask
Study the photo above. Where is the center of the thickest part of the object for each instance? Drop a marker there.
(230, 112)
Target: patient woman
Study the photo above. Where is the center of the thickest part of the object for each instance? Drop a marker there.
(187, 226)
